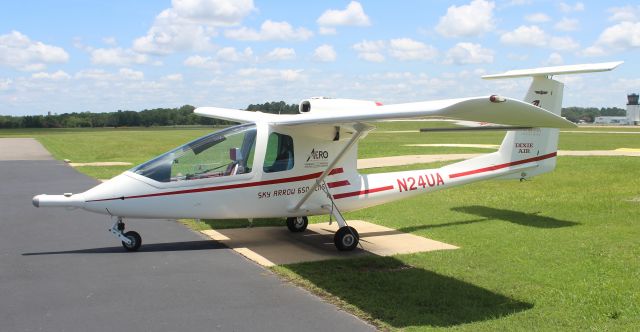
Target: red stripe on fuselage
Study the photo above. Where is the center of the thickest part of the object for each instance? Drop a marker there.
(226, 187)
(336, 171)
(501, 166)
(362, 192)
(337, 184)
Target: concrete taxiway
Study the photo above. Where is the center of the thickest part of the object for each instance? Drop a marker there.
(269, 246)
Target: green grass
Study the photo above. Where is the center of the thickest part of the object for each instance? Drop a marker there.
(136, 145)
(559, 252)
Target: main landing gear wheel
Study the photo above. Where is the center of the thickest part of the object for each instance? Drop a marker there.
(346, 238)
(297, 224)
(136, 241)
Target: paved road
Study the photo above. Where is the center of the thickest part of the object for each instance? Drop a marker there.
(62, 271)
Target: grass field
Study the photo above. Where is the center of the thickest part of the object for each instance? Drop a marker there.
(136, 145)
(560, 252)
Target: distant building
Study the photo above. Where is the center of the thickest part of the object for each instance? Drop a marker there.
(632, 118)
(633, 109)
(615, 120)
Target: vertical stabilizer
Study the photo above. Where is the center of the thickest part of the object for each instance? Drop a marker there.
(536, 143)
(541, 144)
(526, 153)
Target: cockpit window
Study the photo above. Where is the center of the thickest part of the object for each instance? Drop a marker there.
(279, 156)
(223, 153)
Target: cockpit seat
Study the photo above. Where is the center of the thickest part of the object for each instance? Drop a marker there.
(234, 167)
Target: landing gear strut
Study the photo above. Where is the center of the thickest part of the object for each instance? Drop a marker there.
(297, 224)
(131, 240)
(346, 238)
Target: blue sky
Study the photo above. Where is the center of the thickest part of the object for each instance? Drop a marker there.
(76, 56)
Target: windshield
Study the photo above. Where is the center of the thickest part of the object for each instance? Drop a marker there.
(224, 153)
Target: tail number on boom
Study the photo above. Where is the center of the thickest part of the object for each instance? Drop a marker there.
(413, 183)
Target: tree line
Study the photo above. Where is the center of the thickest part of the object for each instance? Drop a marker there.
(184, 116)
(181, 116)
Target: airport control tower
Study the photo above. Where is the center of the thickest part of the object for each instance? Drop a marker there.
(633, 109)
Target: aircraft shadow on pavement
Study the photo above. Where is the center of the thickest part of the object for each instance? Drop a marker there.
(152, 247)
(403, 296)
(516, 217)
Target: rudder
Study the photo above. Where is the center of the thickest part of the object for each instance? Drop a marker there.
(536, 144)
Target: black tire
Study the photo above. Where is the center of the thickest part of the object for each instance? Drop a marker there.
(346, 238)
(297, 224)
(136, 241)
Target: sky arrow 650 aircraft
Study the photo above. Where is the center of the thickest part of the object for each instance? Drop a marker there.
(299, 165)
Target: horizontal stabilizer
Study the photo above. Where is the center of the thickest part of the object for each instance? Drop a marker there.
(491, 109)
(557, 70)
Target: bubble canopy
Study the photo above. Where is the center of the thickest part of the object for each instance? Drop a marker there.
(227, 152)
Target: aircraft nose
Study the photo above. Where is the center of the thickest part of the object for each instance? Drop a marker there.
(67, 200)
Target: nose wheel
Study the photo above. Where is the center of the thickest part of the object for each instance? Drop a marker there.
(131, 240)
(135, 240)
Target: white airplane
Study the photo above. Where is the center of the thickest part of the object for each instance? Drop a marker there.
(299, 165)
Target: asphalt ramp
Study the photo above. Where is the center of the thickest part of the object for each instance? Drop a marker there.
(269, 246)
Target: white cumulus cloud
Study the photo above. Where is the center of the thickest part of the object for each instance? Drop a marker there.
(538, 18)
(171, 33)
(567, 24)
(266, 74)
(214, 12)
(270, 30)
(469, 20)
(567, 8)
(173, 77)
(327, 31)
(525, 36)
(20, 52)
(620, 37)
(563, 43)
(625, 13)
(230, 54)
(281, 53)
(370, 50)
(353, 15)
(325, 53)
(468, 53)
(533, 35)
(199, 61)
(409, 49)
(130, 74)
(117, 57)
(55, 76)
(554, 59)
(190, 24)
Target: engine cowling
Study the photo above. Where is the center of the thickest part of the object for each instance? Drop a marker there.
(325, 104)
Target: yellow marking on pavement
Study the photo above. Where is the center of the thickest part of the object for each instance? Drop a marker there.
(250, 254)
(214, 235)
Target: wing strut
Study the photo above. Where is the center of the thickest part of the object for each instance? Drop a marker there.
(361, 129)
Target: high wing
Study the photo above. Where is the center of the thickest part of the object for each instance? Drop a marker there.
(492, 109)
